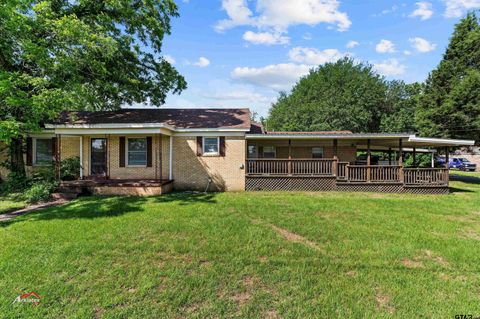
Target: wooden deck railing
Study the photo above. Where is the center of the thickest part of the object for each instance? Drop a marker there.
(426, 176)
(262, 166)
(345, 172)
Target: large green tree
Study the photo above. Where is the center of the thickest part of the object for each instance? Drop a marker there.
(450, 105)
(344, 95)
(79, 54)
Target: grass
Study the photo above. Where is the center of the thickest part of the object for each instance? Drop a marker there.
(11, 202)
(249, 255)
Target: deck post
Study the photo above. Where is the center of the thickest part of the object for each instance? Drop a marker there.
(414, 156)
(447, 159)
(335, 148)
(400, 160)
(289, 166)
(390, 156)
(369, 160)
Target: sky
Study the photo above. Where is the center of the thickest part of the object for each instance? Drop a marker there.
(242, 53)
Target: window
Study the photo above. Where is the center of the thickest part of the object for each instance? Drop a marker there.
(317, 152)
(269, 152)
(252, 151)
(210, 146)
(43, 151)
(137, 151)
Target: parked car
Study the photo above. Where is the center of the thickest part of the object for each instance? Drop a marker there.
(454, 162)
(466, 165)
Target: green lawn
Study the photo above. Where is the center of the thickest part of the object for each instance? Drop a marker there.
(11, 202)
(250, 255)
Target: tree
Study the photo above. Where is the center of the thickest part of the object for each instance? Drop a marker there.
(344, 95)
(450, 104)
(79, 54)
(401, 103)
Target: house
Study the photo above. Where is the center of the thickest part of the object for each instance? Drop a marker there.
(151, 151)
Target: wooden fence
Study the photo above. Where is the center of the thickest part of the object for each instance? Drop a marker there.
(316, 167)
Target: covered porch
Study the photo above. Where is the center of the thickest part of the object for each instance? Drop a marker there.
(322, 161)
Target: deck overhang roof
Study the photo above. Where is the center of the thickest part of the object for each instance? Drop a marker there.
(388, 140)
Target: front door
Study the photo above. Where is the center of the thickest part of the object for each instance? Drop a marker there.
(98, 157)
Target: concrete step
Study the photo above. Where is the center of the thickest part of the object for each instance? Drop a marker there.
(69, 189)
(66, 196)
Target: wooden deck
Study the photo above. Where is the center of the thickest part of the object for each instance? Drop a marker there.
(318, 174)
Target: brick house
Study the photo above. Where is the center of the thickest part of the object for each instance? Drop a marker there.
(150, 151)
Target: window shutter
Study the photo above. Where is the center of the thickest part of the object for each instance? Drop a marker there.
(29, 151)
(54, 149)
(199, 146)
(260, 152)
(149, 151)
(122, 151)
(222, 145)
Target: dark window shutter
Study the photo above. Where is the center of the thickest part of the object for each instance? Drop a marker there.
(199, 146)
(260, 152)
(222, 145)
(54, 149)
(149, 151)
(122, 151)
(29, 151)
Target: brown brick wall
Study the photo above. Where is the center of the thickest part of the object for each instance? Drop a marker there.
(192, 172)
(70, 147)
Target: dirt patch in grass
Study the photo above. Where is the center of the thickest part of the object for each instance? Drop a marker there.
(471, 234)
(425, 256)
(383, 301)
(98, 312)
(289, 236)
(272, 314)
(351, 273)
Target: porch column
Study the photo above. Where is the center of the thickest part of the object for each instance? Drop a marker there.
(170, 157)
(335, 148)
(335, 157)
(81, 157)
(433, 159)
(369, 160)
(414, 156)
(58, 145)
(160, 154)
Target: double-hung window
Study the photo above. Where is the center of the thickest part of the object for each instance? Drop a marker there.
(137, 151)
(317, 152)
(211, 146)
(42, 151)
(269, 152)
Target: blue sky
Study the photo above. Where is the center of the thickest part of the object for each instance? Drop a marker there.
(241, 53)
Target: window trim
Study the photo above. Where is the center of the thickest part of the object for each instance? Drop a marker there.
(274, 151)
(204, 153)
(323, 152)
(34, 151)
(127, 159)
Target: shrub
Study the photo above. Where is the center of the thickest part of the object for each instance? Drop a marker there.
(15, 182)
(39, 192)
(70, 169)
(44, 174)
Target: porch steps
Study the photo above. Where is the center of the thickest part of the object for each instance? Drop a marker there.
(67, 193)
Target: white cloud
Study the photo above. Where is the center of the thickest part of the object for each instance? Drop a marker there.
(407, 52)
(352, 44)
(313, 56)
(385, 46)
(422, 45)
(456, 8)
(240, 95)
(202, 62)
(423, 10)
(390, 67)
(279, 15)
(170, 59)
(274, 76)
(266, 38)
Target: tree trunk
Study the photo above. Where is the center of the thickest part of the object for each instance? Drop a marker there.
(17, 164)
